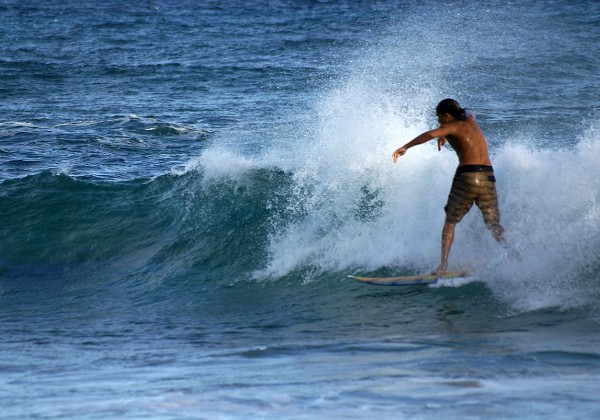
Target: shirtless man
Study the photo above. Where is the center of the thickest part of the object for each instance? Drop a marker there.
(474, 180)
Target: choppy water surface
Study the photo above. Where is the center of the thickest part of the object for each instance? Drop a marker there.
(185, 186)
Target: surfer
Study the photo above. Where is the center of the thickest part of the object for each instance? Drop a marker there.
(474, 180)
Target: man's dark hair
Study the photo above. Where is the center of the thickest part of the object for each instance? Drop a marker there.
(450, 106)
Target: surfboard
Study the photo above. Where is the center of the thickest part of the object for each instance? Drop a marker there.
(410, 280)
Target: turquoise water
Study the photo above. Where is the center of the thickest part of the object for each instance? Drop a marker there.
(184, 187)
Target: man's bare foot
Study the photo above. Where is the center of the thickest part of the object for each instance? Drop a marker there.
(440, 271)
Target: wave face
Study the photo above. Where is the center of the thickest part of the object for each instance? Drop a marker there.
(165, 227)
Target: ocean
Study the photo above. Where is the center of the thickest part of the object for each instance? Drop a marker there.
(186, 185)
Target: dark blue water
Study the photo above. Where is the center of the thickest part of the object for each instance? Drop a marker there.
(184, 187)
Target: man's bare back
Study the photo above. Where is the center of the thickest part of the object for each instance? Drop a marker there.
(469, 143)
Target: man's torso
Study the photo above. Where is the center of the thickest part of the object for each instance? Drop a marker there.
(469, 143)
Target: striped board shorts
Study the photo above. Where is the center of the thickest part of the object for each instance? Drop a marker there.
(473, 184)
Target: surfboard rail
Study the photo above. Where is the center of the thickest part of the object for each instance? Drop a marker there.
(418, 279)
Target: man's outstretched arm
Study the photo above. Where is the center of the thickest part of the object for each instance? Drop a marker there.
(420, 139)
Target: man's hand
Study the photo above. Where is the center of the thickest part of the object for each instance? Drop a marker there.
(441, 142)
(401, 151)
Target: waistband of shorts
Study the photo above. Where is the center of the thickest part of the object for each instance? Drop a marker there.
(473, 168)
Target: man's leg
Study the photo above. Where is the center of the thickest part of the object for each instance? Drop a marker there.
(498, 233)
(447, 238)
(488, 204)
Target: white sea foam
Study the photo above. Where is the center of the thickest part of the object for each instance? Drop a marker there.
(219, 163)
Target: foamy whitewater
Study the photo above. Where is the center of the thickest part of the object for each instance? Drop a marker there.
(184, 188)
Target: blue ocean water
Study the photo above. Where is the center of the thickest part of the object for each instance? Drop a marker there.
(185, 185)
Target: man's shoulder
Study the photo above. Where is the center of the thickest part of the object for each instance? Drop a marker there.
(458, 125)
